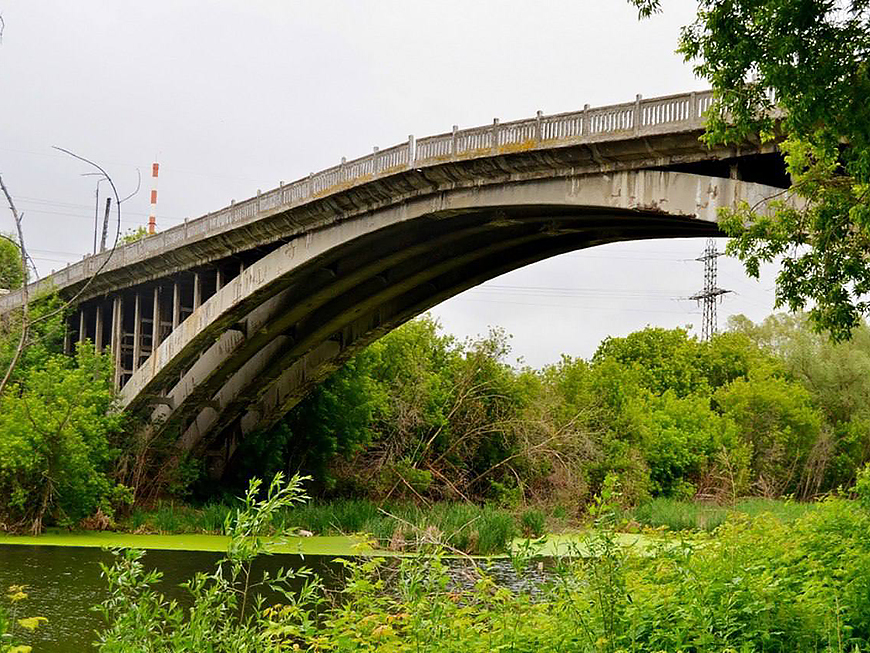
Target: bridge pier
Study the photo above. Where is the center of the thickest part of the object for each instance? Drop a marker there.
(98, 330)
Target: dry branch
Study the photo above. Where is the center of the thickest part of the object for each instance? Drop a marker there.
(25, 315)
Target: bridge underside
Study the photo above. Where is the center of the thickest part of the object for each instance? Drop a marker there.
(218, 352)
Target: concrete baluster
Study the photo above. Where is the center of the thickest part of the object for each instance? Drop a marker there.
(637, 113)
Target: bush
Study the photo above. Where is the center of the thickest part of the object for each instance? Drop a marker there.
(59, 440)
(862, 486)
(533, 522)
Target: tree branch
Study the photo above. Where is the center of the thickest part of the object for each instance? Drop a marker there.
(25, 314)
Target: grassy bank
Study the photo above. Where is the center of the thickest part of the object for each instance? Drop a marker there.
(336, 545)
(400, 526)
(469, 528)
(674, 515)
(759, 583)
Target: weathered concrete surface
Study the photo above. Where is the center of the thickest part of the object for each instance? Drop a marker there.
(653, 133)
(298, 312)
(335, 260)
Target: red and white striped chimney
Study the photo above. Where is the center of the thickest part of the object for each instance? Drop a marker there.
(152, 217)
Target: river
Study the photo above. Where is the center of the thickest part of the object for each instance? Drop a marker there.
(63, 584)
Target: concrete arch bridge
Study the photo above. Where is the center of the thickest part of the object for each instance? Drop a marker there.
(220, 325)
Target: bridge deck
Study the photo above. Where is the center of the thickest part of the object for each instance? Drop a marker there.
(637, 119)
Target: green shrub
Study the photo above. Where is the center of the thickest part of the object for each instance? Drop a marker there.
(862, 486)
(533, 522)
(679, 515)
(495, 530)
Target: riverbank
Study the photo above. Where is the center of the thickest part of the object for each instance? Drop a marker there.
(399, 527)
(338, 545)
(355, 527)
(766, 582)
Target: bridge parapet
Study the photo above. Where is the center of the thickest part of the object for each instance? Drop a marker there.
(643, 117)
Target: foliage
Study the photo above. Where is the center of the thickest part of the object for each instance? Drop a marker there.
(661, 359)
(809, 59)
(11, 624)
(416, 413)
(681, 515)
(227, 612)
(11, 274)
(862, 487)
(133, 235)
(778, 424)
(680, 438)
(758, 583)
(59, 440)
(837, 376)
(767, 409)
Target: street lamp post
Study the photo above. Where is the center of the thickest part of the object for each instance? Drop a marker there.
(101, 179)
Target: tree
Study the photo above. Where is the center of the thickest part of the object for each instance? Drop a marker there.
(11, 274)
(808, 58)
(776, 419)
(59, 441)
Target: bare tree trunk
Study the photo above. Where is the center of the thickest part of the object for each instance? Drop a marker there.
(25, 317)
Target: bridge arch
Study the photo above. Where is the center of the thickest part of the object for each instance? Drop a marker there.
(219, 325)
(293, 316)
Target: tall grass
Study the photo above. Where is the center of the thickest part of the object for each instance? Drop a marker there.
(402, 526)
(407, 526)
(677, 515)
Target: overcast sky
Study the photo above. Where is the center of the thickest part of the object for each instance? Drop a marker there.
(232, 96)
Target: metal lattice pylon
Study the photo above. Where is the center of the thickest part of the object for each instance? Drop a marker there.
(711, 290)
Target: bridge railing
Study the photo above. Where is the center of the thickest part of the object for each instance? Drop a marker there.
(638, 118)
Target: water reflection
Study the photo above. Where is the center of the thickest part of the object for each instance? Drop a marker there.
(63, 583)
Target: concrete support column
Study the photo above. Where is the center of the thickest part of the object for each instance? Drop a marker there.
(137, 331)
(67, 338)
(197, 290)
(218, 280)
(117, 336)
(155, 321)
(81, 324)
(176, 306)
(98, 330)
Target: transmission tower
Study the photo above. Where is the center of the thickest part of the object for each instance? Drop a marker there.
(711, 290)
